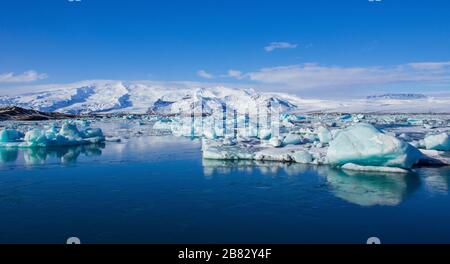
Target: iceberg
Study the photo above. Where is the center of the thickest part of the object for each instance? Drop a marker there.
(10, 135)
(276, 142)
(437, 142)
(363, 144)
(292, 139)
(324, 134)
(264, 134)
(227, 153)
(302, 156)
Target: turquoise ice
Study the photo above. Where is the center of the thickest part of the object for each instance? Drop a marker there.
(363, 144)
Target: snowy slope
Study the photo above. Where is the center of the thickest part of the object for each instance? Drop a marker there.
(174, 98)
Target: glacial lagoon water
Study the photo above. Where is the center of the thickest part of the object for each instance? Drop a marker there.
(157, 189)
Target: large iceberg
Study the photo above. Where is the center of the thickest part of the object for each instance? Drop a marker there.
(363, 144)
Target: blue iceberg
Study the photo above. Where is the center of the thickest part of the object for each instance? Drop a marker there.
(363, 144)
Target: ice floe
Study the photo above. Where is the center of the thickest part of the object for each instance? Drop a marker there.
(51, 136)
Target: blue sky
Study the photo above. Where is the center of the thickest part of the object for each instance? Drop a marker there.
(305, 47)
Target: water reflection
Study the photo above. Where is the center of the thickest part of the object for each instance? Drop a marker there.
(35, 156)
(370, 188)
(211, 167)
(437, 180)
(361, 188)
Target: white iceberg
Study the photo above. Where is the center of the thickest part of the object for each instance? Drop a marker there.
(324, 134)
(276, 142)
(363, 144)
(302, 156)
(437, 142)
(292, 139)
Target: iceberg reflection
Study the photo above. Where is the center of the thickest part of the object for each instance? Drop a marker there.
(211, 167)
(36, 156)
(360, 188)
(370, 188)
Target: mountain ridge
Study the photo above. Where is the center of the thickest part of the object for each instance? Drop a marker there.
(139, 97)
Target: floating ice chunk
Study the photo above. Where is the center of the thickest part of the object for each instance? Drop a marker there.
(92, 132)
(438, 142)
(276, 142)
(35, 137)
(324, 134)
(292, 139)
(302, 156)
(69, 129)
(355, 167)
(113, 139)
(50, 136)
(345, 117)
(273, 154)
(264, 134)
(227, 153)
(10, 135)
(414, 121)
(363, 144)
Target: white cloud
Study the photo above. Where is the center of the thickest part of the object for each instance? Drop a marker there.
(28, 76)
(315, 76)
(235, 74)
(279, 45)
(429, 65)
(204, 74)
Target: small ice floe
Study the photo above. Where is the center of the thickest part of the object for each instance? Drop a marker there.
(363, 144)
(113, 139)
(255, 150)
(415, 121)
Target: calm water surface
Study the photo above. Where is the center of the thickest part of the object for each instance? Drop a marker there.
(159, 190)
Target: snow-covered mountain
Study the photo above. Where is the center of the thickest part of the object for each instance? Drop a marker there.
(185, 97)
(143, 97)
